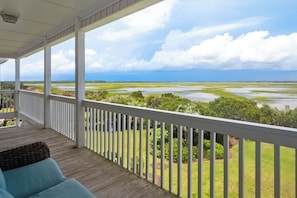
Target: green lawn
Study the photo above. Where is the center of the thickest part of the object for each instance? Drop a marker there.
(287, 169)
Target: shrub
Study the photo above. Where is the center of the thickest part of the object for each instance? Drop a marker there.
(219, 150)
(158, 138)
(184, 151)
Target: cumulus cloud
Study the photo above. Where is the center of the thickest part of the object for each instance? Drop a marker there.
(253, 50)
(177, 39)
(63, 61)
(141, 22)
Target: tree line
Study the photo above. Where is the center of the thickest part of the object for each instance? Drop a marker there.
(236, 108)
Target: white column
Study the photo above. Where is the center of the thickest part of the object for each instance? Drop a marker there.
(47, 85)
(79, 84)
(17, 89)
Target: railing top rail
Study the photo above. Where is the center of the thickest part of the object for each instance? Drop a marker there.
(62, 98)
(282, 136)
(31, 93)
(7, 91)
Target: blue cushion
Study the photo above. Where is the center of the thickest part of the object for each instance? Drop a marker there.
(33, 178)
(5, 194)
(2, 180)
(69, 188)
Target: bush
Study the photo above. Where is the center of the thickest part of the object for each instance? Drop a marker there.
(158, 138)
(219, 150)
(137, 94)
(184, 151)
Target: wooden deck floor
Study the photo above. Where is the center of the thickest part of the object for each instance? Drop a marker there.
(100, 176)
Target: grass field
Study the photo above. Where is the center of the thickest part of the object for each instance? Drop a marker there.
(287, 168)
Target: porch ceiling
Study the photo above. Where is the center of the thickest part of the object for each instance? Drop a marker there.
(54, 21)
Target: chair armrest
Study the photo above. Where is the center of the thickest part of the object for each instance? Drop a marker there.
(23, 155)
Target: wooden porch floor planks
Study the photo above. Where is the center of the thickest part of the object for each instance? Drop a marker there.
(100, 176)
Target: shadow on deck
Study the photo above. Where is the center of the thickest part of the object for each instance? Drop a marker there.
(100, 176)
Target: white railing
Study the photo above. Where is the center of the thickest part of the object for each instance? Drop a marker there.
(128, 136)
(6, 104)
(153, 144)
(32, 105)
(63, 115)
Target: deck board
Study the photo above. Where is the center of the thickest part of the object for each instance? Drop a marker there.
(100, 176)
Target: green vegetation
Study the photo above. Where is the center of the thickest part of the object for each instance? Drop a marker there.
(287, 159)
(228, 105)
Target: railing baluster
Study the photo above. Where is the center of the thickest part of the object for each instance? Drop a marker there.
(147, 163)
(118, 139)
(295, 173)
(106, 126)
(6, 102)
(66, 119)
(111, 130)
(140, 147)
(212, 163)
(190, 154)
(241, 168)
(128, 143)
(200, 163)
(277, 171)
(98, 131)
(226, 166)
(10, 103)
(170, 158)
(123, 140)
(95, 138)
(113, 137)
(62, 120)
(88, 127)
(134, 143)
(92, 131)
(101, 131)
(258, 169)
(154, 151)
(162, 154)
(179, 165)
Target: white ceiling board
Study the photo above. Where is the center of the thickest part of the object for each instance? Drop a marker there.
(54, 20)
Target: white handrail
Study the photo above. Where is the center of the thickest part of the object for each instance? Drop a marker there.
(127, 135)
(133, 122)
(283, 136)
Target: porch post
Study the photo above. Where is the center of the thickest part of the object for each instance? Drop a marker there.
(17, 89)
(47, 85)
(79, 83)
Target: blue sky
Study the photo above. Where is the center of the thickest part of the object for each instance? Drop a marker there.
(184, 40)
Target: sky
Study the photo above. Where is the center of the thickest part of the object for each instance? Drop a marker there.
(183, 40)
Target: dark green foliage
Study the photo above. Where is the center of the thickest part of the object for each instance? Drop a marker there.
(184, 151)
(137, 94)
(153, 101)
(235, 108)
(219, 150)
(184, 158)
(96, 95)
(7, 85)
(158, 138)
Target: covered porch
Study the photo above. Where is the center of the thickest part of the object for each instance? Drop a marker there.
(111, 148)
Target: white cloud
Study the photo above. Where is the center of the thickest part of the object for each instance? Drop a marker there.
(63, 61)
(142, 22)
(254, 50)
(177, 39)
